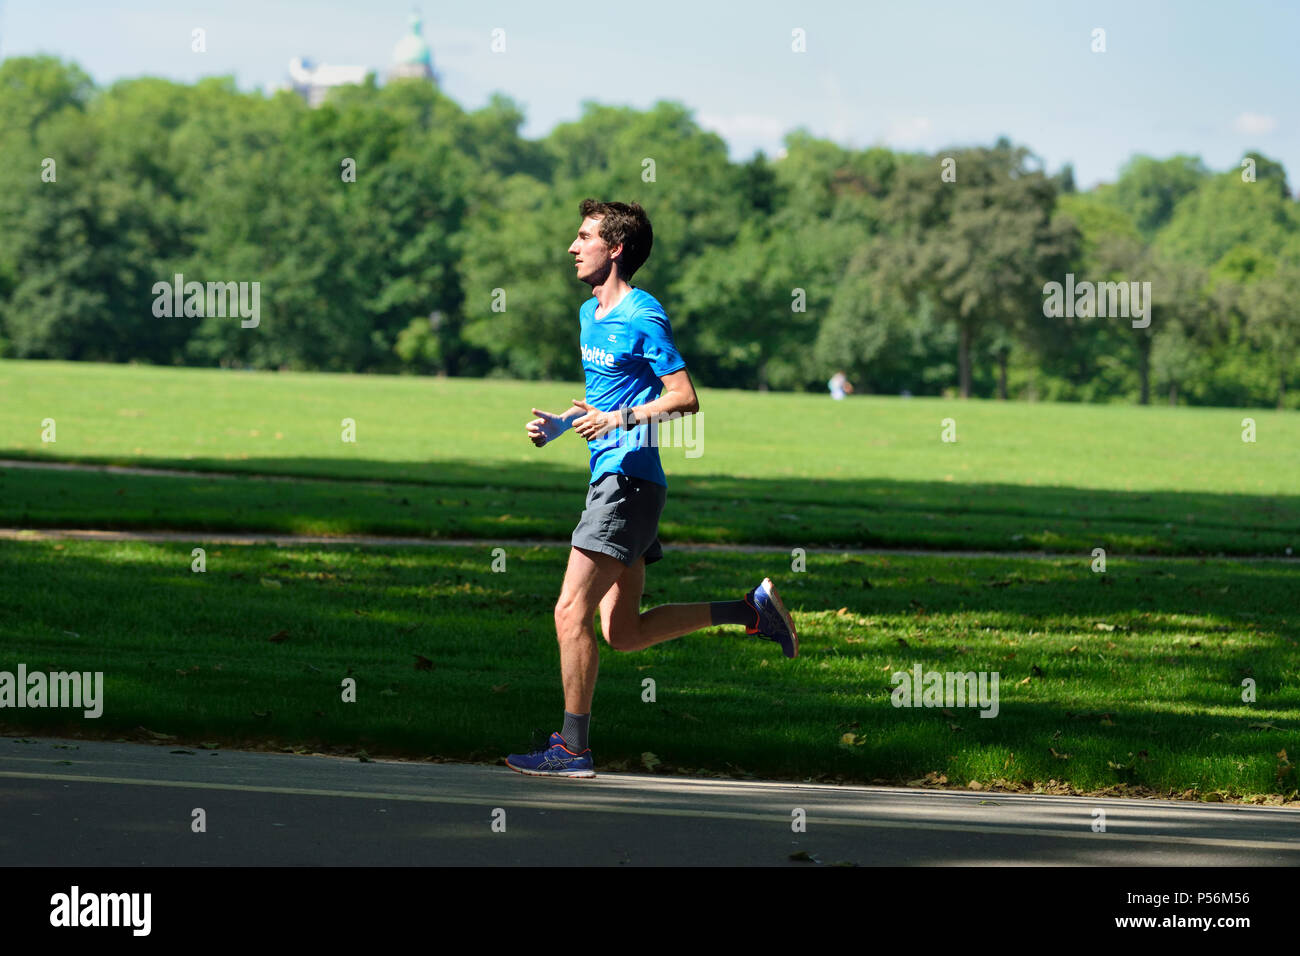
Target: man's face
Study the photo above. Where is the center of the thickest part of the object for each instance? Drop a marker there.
(592, 257)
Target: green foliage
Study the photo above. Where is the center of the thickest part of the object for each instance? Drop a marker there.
(775, 272)
(1148, 190)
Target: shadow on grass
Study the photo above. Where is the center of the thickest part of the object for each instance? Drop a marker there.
(258, 646)
(541, 499)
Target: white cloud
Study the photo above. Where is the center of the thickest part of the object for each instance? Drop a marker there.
(743, 125)
(911, 131)
(1254, 124)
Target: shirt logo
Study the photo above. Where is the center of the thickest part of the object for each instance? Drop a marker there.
(597, 356)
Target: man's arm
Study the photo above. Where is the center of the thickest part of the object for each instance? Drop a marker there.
(678, 397)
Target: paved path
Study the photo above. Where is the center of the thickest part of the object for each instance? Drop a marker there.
(130, 804)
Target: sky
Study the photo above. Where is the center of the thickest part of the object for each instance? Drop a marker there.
(1207, 79)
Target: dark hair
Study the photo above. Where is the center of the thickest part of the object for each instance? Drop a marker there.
(621, 223)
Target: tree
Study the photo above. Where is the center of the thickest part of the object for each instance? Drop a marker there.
(35, 89)
(978, 248)
(1225, 212)
(1148, 190)
(1272, 307)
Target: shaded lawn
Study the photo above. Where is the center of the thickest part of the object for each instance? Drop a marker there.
(798, 513)
(1132, 677)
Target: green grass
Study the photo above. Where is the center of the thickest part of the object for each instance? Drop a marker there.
(1133, 677)
(779, 469)
(880, 517)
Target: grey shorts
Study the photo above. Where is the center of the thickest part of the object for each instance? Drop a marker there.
(622, 518)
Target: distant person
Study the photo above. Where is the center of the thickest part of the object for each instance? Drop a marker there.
(839, 386)
(628, 356)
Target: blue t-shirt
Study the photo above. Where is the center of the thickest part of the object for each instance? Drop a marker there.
(623, 355)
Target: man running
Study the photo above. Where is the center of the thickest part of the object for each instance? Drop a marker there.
(629, 357)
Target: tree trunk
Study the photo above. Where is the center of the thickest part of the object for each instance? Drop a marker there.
(1002, 374)
(963, 360)
(1144, 369)
(1281, 388)
(1173, 394)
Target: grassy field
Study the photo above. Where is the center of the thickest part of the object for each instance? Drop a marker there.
(778, 469)
(1128, 681)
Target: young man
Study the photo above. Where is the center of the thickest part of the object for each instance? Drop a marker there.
(628, 356)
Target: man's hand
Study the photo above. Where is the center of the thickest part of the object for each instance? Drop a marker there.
(594, 423)
(545, 427)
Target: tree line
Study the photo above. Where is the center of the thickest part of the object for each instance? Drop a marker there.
(392, 231)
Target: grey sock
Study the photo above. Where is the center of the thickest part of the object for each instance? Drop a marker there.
(575, 731)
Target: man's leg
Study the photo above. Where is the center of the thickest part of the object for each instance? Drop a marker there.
(626, 628)
(589, 576)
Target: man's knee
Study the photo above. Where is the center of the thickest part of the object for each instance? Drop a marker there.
(624, 635)
(569, 614)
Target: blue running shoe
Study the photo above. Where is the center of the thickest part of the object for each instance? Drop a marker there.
(774, 623)
(555, 760)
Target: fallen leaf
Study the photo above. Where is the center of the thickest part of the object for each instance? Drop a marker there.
(423, 663)
(279, 637)
(650, 761)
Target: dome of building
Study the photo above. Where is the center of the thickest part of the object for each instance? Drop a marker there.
(411, 50)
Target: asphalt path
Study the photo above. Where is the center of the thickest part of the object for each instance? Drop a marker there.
(90, 803)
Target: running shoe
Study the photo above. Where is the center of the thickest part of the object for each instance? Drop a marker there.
(553, 760)
(774, 623)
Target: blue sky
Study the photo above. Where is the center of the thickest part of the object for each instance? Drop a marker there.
(1211, 79)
